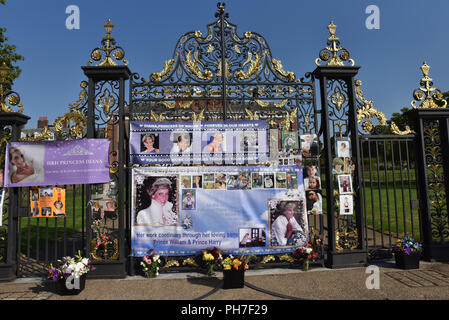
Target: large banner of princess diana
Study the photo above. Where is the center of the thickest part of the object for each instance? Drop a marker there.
(184, 210)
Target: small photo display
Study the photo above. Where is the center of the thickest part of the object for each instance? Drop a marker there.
(346, 205)
(188, 199)
(257, 180)
(338, 165)
(312, 183)
(220, 181)
(344, 184)
(197, 182)
(349, 166)
(248, 142)
(314, 202)
(289, 140)
(343, 147)
(309, 145)
(149, 143)
(252, 237)
(292, 180)
(186, 182)
(268, 180)
(181, 142)
(281, 180)
(109, 209)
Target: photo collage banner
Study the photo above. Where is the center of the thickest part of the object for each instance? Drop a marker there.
(210, 143)
(56, 162)
(183, 210)
(47, 202)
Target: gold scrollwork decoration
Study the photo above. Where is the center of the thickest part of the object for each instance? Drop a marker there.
(190, 262)
(395, 129)
(343, 239)
(287, 257)
(193, 65)
(180, 104)
(157, 76)
(94, 248)
(277, 65)
(290, 118)
(252, 115)
(6, 94)
(156, 117)
(254, 65)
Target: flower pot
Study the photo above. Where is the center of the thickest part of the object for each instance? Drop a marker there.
(233, 279)
(305, 265)
(72, 286)
(407, 261)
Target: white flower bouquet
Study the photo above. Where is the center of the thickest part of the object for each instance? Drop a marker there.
(76, 267)
(150, 264)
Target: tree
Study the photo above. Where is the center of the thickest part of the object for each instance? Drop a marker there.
(8, 54)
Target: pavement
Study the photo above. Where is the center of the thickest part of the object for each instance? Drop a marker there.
(429, 282)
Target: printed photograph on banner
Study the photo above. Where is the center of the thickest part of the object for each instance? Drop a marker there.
(197, 181)
(338, 166)
(186, 181)
(252, 237)
(182, 142)
(287, 222)
(257, 180)
(149, 143)
(248, 142)
(156, 200)
(216, 142)
(208, 181)
(281, 180)
(109, 210)
(268, 180)
(46, 192)
(346, 205)
(314, 202)
(343, 147)
(188, 199)
(289, 140)
(220, 181)
(309, 145)
(344, 183)
(26, 163)
(292, 180)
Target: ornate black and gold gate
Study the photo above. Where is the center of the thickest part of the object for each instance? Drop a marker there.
(222, 75)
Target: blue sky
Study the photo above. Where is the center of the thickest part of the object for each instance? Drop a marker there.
(411, 32)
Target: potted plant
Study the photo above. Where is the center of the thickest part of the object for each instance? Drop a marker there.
(71, 274)
(150, 264)
(211, 258)
(305, 255)
(234, 271)
(407, 253)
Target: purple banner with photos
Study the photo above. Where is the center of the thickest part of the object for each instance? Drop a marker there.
(57, 162)
(209, 142)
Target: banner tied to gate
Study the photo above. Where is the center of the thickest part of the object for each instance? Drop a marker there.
(57, 162)
(183, 210)
(211, 142)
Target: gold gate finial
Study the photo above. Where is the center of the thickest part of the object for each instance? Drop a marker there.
(108, 49)
(334, 54)
(431, 98)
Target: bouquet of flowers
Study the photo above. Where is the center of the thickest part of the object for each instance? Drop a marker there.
(150, 264)
(234, 263)
(407, 245)
(211, 258)
(306, 254)
(102, 238)
(76, 267)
